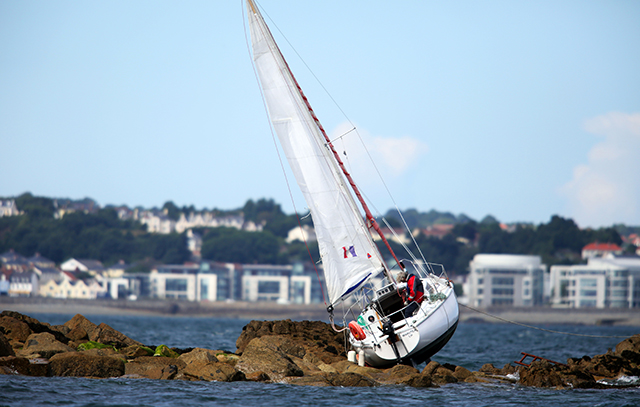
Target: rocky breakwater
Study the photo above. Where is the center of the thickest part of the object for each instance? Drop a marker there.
(299, 353)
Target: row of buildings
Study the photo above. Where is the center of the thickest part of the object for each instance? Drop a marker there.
(608, 280)
(203, 281)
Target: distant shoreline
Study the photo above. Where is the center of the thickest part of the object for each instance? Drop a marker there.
(317, 312)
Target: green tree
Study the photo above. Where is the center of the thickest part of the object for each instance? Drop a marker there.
(239, 246)
(173, 212)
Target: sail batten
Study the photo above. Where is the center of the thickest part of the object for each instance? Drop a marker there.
(348, 253)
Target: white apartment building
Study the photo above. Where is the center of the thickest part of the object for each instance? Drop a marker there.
(183, 283)
(275, 283)
(506, 280)
(208, 282)
(607, 282)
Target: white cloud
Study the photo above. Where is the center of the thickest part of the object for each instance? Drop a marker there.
(393, 156)
(607, 189)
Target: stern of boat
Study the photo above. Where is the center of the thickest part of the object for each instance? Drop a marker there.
(390, 338)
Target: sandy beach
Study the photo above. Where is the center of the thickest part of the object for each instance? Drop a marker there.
(272, 311)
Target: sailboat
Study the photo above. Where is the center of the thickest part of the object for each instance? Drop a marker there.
(357, 277)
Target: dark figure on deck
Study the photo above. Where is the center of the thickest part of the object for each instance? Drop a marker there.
(414, 293)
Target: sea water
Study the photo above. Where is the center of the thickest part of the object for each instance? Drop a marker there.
(473, 345)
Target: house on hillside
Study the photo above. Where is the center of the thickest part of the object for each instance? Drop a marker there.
(398, 235)
(92, 267)
(13, 261)
(436, 231)
(157, 223)
(600, 249)
(18, 265)
(8, 207)
(65, 206)
(194, 243)
(305, 233)
(116, 270)
(47, 273)
(40, 261)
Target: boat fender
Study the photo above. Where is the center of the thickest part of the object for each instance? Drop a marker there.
(357, 331)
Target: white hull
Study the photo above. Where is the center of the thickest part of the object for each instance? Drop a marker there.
(414, 339)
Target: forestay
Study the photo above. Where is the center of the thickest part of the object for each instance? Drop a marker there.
(348, 253)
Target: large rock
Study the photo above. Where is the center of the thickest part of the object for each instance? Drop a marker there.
(349, 380)
(579, 379)
(632, 344)
(213, 371)
(5, 346)
(80, 328)
(13, 365)
(43, 344)
(203, 364)
(199, 355)
(444, 375)
(314, 341)
(107, 335)
(317, 380)
(81, 364)
(610, 365)
(263, 355)
(14, 329)
(430, 368)
(489, 369)
(154, 367)
(344, 366)
(133, 352)
(462, 373)
(540, 374)
(407, 375)
(36, 326)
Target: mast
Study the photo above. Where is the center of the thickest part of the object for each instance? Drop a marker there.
(370, 219)
(344, 235)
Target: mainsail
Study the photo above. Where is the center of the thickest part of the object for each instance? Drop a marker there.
(349, 255)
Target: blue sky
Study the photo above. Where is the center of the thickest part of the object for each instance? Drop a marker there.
(518, 109)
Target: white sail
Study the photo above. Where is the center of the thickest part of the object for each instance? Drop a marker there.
(349, 256)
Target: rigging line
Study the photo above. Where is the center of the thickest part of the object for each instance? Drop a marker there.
(538, 328)
(273, 137)
(413, 257)
(414, 240)
(404, 246)
(380, 215)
